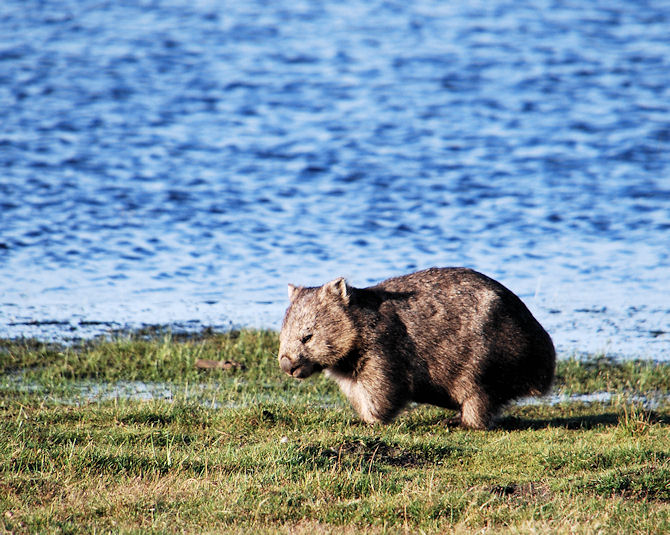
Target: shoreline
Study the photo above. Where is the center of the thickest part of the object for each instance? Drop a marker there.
(82, 332)
(133, 354)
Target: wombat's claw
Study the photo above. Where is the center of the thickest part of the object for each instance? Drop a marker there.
(454, 421)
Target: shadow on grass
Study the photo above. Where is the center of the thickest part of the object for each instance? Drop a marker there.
(591, 421)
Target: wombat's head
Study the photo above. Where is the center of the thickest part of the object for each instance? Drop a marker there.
(317, 331)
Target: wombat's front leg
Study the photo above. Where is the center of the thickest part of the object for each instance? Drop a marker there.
(476, 412)
(372, 401)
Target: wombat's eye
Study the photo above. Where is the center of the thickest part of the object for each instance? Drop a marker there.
(306, 338)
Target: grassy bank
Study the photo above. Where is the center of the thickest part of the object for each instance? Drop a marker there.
(245, 449)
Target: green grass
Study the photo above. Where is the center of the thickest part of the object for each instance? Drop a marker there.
(249, 450)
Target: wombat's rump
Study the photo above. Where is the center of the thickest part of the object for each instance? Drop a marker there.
(451, 337)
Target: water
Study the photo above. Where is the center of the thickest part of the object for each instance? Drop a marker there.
(180, 162)
(209, 395)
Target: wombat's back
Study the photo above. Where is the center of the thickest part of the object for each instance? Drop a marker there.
(469, 331)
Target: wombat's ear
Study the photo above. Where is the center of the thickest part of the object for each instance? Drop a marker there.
(292, 292)
(339, 288)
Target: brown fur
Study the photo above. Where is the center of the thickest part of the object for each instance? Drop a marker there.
(450, 337)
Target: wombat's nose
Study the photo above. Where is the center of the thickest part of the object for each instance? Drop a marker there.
(285, 364)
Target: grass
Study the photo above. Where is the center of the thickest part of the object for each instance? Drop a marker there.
(239, 451)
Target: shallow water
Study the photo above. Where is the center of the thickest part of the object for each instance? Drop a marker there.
(209, 395)
(180, 162)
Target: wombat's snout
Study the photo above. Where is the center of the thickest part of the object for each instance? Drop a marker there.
(285, 364)
(300, 368)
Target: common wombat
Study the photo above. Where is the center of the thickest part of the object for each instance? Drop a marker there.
(451, 337)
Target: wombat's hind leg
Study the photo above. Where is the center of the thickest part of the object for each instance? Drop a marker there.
(476, 413)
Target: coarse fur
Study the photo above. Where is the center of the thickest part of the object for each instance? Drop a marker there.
(450, 337)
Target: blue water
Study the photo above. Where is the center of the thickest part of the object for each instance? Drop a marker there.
(179, 162)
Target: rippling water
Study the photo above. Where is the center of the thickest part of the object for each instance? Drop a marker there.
(180, 162)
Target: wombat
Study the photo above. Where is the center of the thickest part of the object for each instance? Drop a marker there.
(450, 337)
